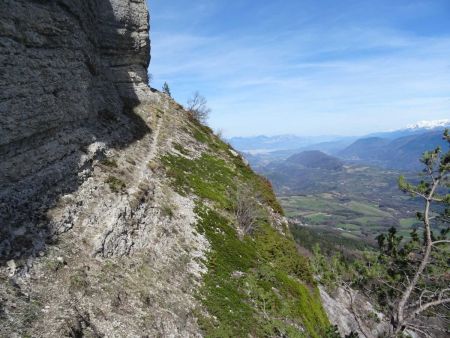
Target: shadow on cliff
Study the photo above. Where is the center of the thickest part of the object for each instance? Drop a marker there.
(49, 172)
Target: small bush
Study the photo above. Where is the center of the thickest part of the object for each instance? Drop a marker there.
(78, 281)
(109, 162)
(197, 108)
(115, 184)
(167, 210)
(246, 209)
(182, 150)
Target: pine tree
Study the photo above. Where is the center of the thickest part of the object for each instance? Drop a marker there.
(166, 89)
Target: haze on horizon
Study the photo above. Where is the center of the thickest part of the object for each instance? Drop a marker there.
(308, 67)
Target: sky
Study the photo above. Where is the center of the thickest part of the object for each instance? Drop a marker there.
(305, 67)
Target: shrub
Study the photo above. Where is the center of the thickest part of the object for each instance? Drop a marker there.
(197, 108)
(115, 184)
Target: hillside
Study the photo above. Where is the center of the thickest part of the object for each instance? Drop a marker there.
(398, 153)
(121, 215)
(316, 160)
(398, 149)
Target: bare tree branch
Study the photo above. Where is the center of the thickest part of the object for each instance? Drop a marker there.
(197, 107)
(440, 242)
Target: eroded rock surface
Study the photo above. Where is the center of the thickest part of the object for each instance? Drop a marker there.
(71, 74)
(352, 312)
(85, 247)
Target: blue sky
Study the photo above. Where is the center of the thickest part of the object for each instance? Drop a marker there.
(306, 67)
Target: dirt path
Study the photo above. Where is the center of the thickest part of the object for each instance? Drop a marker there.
(144, 172)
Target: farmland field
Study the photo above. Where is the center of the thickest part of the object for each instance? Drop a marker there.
(355, 203)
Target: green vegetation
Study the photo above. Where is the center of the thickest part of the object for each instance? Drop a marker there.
(357, 219)
(109, 162)
(207, 177)
(213, 178)
(406, 278)
(330, 241)
(257, 284)
(115, 184)
(182, 150)
(167, 210)
(78, 281)
(359, 201)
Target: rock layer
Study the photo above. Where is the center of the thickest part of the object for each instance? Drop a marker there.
(71, 73)
(68, 60)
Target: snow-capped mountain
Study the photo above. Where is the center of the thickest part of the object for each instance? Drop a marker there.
(430, 124)
(282, 146)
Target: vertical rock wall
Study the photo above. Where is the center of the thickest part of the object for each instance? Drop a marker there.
(64, 61)
(71, 72)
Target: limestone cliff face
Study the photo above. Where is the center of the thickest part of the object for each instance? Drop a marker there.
(71, 72)
(66, 61)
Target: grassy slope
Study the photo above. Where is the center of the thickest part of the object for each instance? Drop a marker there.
(257, 285)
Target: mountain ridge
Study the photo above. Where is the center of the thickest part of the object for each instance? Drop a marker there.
(265, 144)
(315, 159)
(398, 153)
(121, 215)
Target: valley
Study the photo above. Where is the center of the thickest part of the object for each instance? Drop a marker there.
(355, 203)
(329, 196)
(346, 188)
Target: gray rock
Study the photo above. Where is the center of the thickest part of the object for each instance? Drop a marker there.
(71, 73)
(76, 111)
(352, 312)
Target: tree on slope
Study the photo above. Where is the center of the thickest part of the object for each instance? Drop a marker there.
(424, 261)
(409, 279)
(197, 107)
(166, 89)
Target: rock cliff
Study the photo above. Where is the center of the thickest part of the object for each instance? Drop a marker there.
(72, 72)
(120, 214)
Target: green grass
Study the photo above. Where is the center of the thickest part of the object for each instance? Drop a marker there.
(109, 162)
(350, 236)
(317, 218)
(256, 285)
(348, 227)
(115, 184)
(367, 209)
(181, 149)
(367, 220)
(207, 177)
(330, 240)
(277, 283)
(408, 223)
(212, 178)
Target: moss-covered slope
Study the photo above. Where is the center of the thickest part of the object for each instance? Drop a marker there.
(256, 283)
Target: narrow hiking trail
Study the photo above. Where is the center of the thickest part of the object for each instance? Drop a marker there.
(144, 172)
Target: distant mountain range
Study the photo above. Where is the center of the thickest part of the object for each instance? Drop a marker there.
(398, 153)
(327, 143)
(398, 149)
(263, 144)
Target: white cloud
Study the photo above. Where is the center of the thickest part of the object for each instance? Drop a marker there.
(308, 78)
